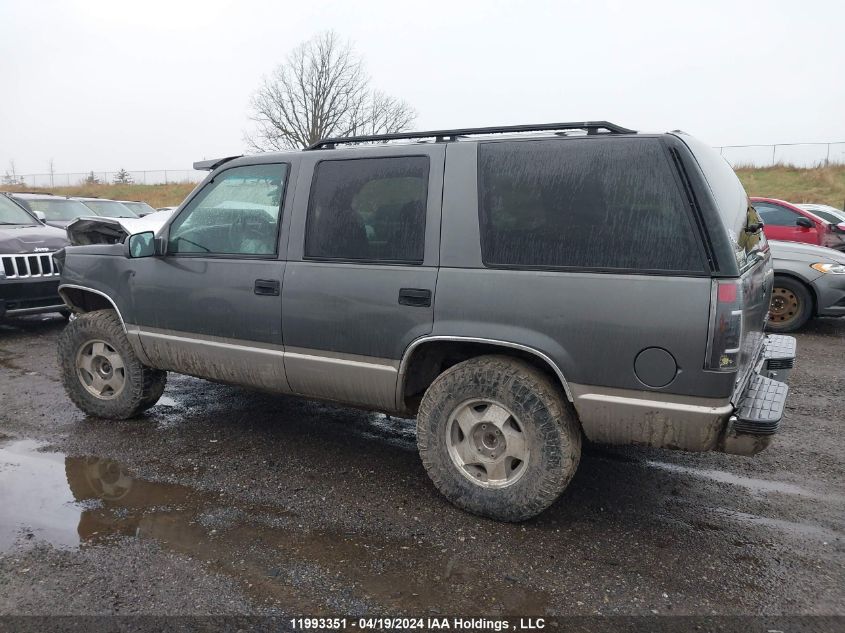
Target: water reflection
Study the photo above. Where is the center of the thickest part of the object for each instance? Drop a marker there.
(69, 501)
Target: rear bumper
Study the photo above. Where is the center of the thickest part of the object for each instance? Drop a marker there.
(760, 407)
(29, 296)
(662, 420)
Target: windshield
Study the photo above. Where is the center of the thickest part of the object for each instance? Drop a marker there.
(58, 209)
(109, 208)
(140, 208)
(10, 213)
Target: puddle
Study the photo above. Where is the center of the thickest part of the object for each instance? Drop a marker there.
(757, 486)
(35, 497)
(74, 502)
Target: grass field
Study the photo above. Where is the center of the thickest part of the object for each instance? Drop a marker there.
(156, 196)
(824, 185)
(819, 184)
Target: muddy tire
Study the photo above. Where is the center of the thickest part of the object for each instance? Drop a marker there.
(497, 438)
(101, 373)
(791, 305)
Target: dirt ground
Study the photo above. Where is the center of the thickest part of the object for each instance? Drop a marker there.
(223, 500)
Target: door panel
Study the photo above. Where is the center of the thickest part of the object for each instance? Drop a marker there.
(337, 313)
(202, 317)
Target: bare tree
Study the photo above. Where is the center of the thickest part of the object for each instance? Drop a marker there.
(11, 176)
(321, 90)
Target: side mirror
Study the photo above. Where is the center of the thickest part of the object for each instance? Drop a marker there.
(141, 245)
(41, 217)
(807, 223)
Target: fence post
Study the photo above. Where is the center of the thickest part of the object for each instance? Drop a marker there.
(165, 176)
(774, 147)
(827, 158)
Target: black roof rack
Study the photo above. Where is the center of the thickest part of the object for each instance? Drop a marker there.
(214, 163)
(592, 127)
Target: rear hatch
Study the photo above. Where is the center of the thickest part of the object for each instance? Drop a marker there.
(739, 306)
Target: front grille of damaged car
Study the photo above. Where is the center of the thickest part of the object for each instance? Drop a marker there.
(28, 266)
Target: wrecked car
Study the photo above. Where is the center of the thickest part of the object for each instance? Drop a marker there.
(102, 230)
(515, 288)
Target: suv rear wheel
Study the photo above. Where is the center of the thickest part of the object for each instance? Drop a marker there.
(100, 371)
(497, 438)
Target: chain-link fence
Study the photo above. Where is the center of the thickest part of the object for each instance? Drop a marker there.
(797, 154)
(145, 177)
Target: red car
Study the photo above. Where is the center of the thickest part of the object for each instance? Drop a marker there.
(785, 221)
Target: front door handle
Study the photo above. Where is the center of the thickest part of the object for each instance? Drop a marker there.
(417, 297)
(268, 287)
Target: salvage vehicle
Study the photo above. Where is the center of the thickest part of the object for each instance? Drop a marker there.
(107, 208)
(57, 211)
(29, 279)
(809, 282)
(515, 288)
(789, 222)
(99, 230)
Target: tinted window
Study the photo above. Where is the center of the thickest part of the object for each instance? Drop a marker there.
(235, 214)
(588, 203)
(368, 209)
(776, 215)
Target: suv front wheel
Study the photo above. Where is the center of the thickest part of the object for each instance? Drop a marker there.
(100, 371)
(497, 438)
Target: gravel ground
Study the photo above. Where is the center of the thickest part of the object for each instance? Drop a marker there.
(221, 500)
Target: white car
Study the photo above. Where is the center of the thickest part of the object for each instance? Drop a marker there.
(825, 212)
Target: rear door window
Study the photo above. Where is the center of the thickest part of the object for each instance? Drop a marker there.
(583, 204)
(368, 209)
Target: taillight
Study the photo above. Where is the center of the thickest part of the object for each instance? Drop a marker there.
(725, 326)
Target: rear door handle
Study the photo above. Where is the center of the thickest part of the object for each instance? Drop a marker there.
(417, 297)
(268, 287)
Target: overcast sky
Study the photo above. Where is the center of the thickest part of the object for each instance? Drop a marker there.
(157, 84)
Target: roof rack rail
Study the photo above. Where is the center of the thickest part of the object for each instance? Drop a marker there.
(440, 136)
(32, 193)
(214, 163)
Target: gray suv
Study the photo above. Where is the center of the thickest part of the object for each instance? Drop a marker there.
(516, 289)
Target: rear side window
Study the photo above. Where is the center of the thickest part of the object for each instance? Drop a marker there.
(368, 209)
(591, 203)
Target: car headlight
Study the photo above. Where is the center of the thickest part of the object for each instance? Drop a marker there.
(836, 269)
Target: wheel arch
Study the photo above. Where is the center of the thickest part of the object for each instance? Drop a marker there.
(83, 299)
(428, 357)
